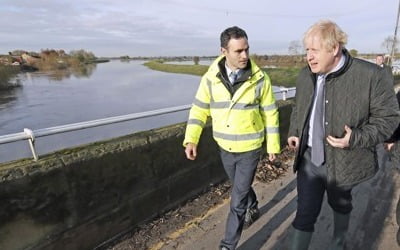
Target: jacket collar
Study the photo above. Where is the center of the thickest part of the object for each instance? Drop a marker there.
(347, 62)
(245, 74)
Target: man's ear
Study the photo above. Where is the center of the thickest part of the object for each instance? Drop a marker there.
(336, 50)
(223, 51)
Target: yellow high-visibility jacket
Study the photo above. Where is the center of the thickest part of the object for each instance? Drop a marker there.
(240, 122)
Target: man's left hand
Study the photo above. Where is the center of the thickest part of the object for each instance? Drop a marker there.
(388, 146)
(340, 142)
(271, 157)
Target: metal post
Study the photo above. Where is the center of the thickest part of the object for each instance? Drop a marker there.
(284, 91)
(395, 36)
(31, 141)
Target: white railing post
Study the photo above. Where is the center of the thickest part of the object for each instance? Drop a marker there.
(31, 141)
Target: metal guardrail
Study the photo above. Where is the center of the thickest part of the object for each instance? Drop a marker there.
(285, 91)
(31, 135)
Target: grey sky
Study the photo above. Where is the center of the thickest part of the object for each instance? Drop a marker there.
(185, 27)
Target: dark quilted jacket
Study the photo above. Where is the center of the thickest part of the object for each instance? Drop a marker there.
(396, 135)
(359, 95)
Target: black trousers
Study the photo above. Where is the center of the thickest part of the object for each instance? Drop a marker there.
(311, 186)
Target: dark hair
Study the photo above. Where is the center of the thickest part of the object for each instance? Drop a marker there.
(231, 32)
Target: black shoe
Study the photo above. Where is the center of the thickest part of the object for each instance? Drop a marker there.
(252, 214)
(224, 248)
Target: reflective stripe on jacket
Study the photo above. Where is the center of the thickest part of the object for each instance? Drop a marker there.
(240, 122)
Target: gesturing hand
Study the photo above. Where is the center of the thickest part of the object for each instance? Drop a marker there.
(388, 146)
(340, 142)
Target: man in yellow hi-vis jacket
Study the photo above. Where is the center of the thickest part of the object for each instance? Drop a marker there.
(239, 98)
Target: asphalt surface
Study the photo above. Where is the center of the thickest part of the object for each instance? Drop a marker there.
(373, 220)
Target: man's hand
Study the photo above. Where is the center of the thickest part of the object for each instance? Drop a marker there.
(340, 142)
(388, 146)
(293, 142)
(191, 151)
(271, 157)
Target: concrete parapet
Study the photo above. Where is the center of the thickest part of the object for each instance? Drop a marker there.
(78, 198)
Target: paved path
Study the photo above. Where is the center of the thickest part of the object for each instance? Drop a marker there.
(372, 226)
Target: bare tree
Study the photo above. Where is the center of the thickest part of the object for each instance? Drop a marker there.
(387, 44)
(294, 47)
(196, 60)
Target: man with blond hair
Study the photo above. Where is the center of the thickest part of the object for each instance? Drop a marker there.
(344, 107)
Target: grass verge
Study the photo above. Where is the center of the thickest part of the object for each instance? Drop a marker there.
(279, 76)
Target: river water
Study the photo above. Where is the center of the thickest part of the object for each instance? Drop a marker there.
(108, 89)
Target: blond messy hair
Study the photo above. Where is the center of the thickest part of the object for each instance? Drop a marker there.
(330, 33)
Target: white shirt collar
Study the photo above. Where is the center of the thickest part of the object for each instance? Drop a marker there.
(229, 71)
(339, 65)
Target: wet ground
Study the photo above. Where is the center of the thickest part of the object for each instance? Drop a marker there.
(200, 223)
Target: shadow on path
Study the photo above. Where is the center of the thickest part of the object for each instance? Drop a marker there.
(371, 224)
(257, 240)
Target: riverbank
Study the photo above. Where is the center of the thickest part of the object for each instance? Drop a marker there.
(159, 65)
(282, 76)
(49, 59)
(285, 76)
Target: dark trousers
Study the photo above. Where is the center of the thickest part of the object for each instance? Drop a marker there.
(311, 187)
(240, 168)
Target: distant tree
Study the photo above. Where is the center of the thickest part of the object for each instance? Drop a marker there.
(294, 47)
(196, 60)
(387, 44)
(82, 55)
(353, 52)
(16, 52)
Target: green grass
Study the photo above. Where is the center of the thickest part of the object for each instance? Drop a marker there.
(279, 76)
(283, 76)
(197, 70)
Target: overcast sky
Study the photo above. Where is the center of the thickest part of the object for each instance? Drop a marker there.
(185, 27)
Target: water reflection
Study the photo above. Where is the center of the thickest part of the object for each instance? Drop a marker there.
(7, 96)
(124, 60)
(82, 71)
(8, 77)
(9, 85)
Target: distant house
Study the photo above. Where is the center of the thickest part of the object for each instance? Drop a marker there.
(29, 59)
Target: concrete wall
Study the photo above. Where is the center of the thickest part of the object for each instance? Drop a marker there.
(78, 198)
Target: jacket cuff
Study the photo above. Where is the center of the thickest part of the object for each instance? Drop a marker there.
(353, 137)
